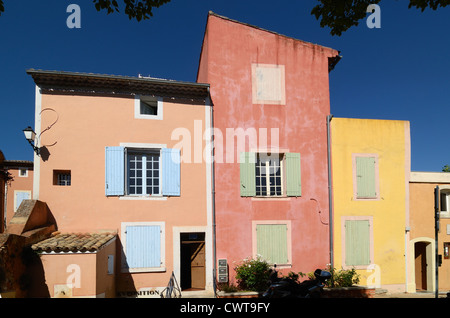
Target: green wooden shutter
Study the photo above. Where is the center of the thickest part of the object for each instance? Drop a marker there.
(365, 177)
(247, 174)
(271, 242)
(293, 175)
(357, 242)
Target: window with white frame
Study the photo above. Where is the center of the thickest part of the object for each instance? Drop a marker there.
(445, 202)
(143, 176)
(142, 172)
(148, 107)
(269, 177)
(270, 174)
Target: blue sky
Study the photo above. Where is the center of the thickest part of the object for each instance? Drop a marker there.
(400, 71)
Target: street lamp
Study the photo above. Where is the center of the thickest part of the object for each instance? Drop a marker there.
(30, 135)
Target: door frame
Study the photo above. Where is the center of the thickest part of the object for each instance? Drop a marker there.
(430, 259)
(209, 281)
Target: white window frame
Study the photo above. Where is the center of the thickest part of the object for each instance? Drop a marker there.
(137, 107)
(143, 153)
(267, 157)
(16, 206)
(124, 267)
(445, 190)
(143, 147)
(25, 175)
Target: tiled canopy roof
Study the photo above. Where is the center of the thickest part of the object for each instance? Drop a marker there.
(73, 242)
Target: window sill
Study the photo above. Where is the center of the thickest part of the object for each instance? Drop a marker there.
(144, 270)
(143, 198)
(274, 198)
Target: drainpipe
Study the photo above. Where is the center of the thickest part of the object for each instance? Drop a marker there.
(330, 192)
(213, 196)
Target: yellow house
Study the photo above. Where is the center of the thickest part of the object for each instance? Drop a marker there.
(370, 175)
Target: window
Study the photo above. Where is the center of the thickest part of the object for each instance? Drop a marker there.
(444, 201)
(273, 241)
(19, 196)
(357, 237)
(143, 173)
(148, 107)
(268, 84)
(138, 172)
(365, 176)
(23, 172)
(270, 175)
(143, 247)
(62, 177)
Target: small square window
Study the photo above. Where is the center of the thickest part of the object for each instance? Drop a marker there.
(62, 177)
(23, 172)
(149, 107)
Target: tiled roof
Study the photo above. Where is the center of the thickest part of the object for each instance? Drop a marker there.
(73, 242)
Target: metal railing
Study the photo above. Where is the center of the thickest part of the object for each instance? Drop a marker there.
(173, 289)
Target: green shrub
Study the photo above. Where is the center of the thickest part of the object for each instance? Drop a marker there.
(253, 274)
(343, 278)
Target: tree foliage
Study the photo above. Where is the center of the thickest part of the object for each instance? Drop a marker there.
(341, 15)
(134, 9)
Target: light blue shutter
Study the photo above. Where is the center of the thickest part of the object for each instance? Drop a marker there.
(171, 173)
(293, 175)
(143, 246)
(115, 171)
(20, 196)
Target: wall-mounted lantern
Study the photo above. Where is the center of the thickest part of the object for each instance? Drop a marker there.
(30, 135)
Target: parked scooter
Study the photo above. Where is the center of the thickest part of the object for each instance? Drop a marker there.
(289, 288)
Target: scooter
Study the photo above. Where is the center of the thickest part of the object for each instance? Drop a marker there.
(289, 288)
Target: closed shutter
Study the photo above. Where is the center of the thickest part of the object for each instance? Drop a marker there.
(357, 242)
(365, 177)
(115, 171)
(143, 246)
(293, 175)
(272, 243)
(171, 172)
(247, 174)
(20, 196)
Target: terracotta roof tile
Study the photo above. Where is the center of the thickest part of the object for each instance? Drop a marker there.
(73, 242)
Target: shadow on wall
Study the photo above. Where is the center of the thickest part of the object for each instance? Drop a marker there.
(125, 287)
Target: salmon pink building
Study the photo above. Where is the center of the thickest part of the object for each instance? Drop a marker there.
(117, 170)
(271, 100)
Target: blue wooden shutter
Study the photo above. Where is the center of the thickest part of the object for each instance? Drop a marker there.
(247, 162)
(143, 246)
(293, 175)
(20, 196)
(115, 171)
(171, 174)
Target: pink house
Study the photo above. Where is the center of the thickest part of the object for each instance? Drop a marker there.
(118, 166)
(271, 101)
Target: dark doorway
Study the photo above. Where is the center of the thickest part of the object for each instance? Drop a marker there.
(193, 271)
(420, 254)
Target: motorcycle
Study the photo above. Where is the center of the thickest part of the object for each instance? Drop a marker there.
(289, 288)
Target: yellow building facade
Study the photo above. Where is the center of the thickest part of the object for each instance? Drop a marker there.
(370, 183)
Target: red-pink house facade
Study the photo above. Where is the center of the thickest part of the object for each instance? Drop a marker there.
(271, 101)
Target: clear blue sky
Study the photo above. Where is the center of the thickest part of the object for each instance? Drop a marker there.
(401, 71)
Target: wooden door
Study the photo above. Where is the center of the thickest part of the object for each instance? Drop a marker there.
(198, 265)
(420, 265)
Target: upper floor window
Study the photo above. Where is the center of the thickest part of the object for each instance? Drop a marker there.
(148, 107)
(142, 172)
(62, 177)
(365, 176)
(268, 84)
(23, 172)
(270, 175)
